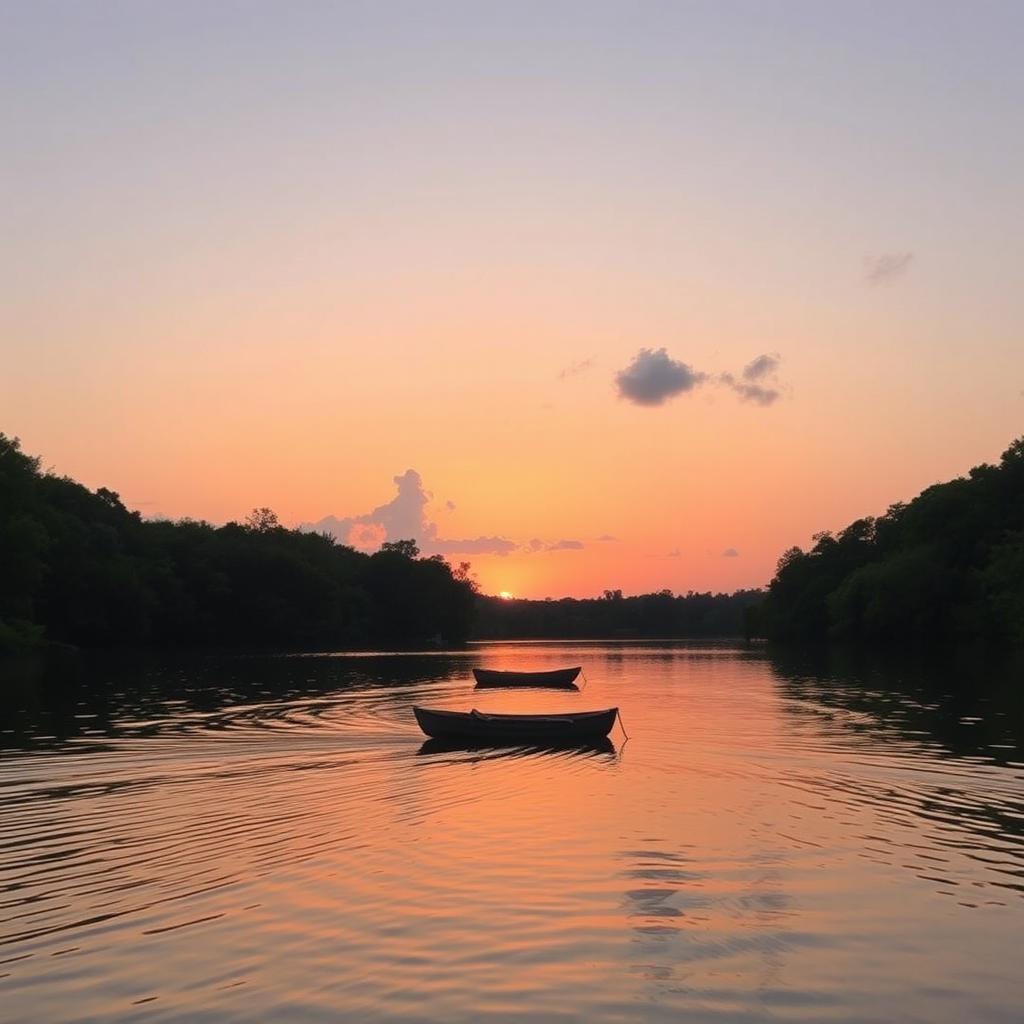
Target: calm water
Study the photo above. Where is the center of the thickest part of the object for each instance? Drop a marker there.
(265, 838)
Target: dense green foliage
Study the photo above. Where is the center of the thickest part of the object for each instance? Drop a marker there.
(947, 566)
(77, 567)
(648, 615)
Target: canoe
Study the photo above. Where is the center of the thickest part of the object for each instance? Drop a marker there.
(559, 678)
(575, 727)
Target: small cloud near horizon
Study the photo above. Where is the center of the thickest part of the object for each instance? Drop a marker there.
(730, 553)
(538, 546)
(607, 538)
(404, 518)
(674, 553)
(887, 266)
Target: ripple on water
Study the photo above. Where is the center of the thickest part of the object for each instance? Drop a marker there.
(289, 846)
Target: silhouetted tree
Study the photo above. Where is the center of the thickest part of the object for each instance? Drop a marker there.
(262, 520)
(946, 566)
(78, 567)
(661, 615)
(405, 548)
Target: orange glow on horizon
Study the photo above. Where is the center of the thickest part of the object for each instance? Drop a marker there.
(291, 326)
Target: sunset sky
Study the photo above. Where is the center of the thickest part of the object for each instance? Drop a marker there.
(592, 295)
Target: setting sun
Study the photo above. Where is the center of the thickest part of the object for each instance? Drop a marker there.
(506, 595)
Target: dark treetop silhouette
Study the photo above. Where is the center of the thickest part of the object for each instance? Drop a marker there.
(80, 568)
(946, 567)
(661, 615)
(77, 567)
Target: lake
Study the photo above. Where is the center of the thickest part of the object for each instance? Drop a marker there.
(266, 838)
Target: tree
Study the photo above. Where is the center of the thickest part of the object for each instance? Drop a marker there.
(405, 548)
(262, 520)
(462, 573)
(77, 567)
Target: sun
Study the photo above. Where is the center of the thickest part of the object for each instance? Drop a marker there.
(506, 595)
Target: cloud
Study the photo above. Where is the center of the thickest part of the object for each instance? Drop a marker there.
(675, 553)
(536, 545)
(763, 366)
(402, 518)
(653, 377)
(366, 536)
(757, 382)
(755, 393)
(473, 546)
(573, 369)
(607, 538)
(887, 267)
(730, 553)
(450, 505)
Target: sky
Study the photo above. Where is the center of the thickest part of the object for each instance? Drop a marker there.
(592, 295)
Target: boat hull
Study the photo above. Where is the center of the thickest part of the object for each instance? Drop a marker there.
(559, 678)
(472, 726)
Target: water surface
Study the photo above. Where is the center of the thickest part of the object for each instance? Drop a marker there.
(256, 838)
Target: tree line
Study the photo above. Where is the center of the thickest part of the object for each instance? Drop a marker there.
(77, 567)
(945, 567)
(662, 614)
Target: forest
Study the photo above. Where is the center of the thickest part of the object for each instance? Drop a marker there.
(78, 568)
(613, 616)
(944, 568)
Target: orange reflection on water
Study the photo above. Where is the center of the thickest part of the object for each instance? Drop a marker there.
(761, 842)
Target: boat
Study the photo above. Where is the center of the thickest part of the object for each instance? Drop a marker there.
(559, 678)
(572, 727)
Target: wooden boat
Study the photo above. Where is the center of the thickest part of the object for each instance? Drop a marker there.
(574, 727)
(559, 678)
